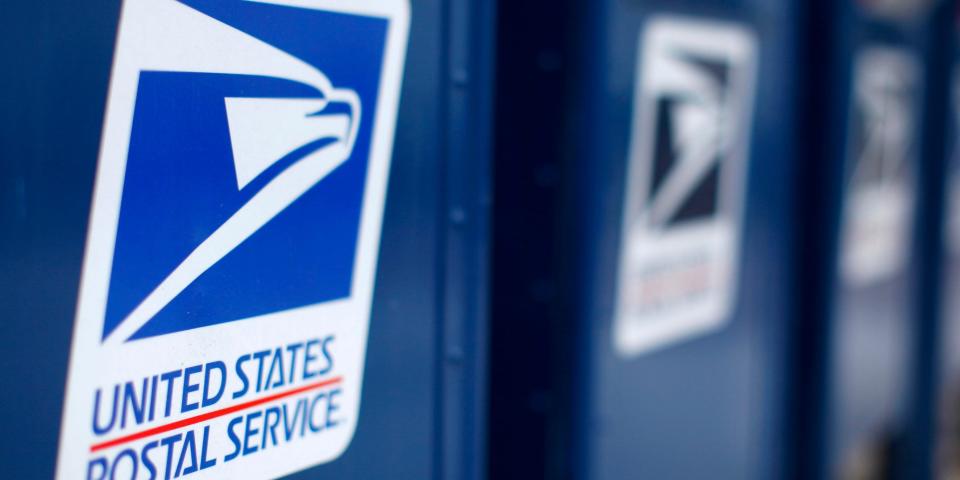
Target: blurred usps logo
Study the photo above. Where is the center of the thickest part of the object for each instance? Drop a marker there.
(685, 188)
(879, 206)
(233, 237)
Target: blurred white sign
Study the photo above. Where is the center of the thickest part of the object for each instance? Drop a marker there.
(685, 187)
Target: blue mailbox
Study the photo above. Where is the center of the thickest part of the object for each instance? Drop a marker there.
(244, 238)
(877, 84)
(642, 302)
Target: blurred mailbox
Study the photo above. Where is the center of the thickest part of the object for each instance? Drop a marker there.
(876, 108)
(662, 310)
(946, 449)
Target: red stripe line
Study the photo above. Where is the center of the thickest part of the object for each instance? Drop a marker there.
(186, 422)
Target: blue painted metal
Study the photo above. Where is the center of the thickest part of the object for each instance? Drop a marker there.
(423, 405)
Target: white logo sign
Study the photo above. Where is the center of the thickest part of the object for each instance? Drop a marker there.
(878, 210)
(685, 192)
(228, 278)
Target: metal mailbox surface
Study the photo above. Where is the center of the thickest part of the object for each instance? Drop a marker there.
(683, 261)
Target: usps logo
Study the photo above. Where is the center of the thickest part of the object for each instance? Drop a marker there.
(879, 205)
(225, 299)
(685, 187)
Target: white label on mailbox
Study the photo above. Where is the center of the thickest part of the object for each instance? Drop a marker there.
(879, 201)
(228, 276)
(682, 220)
